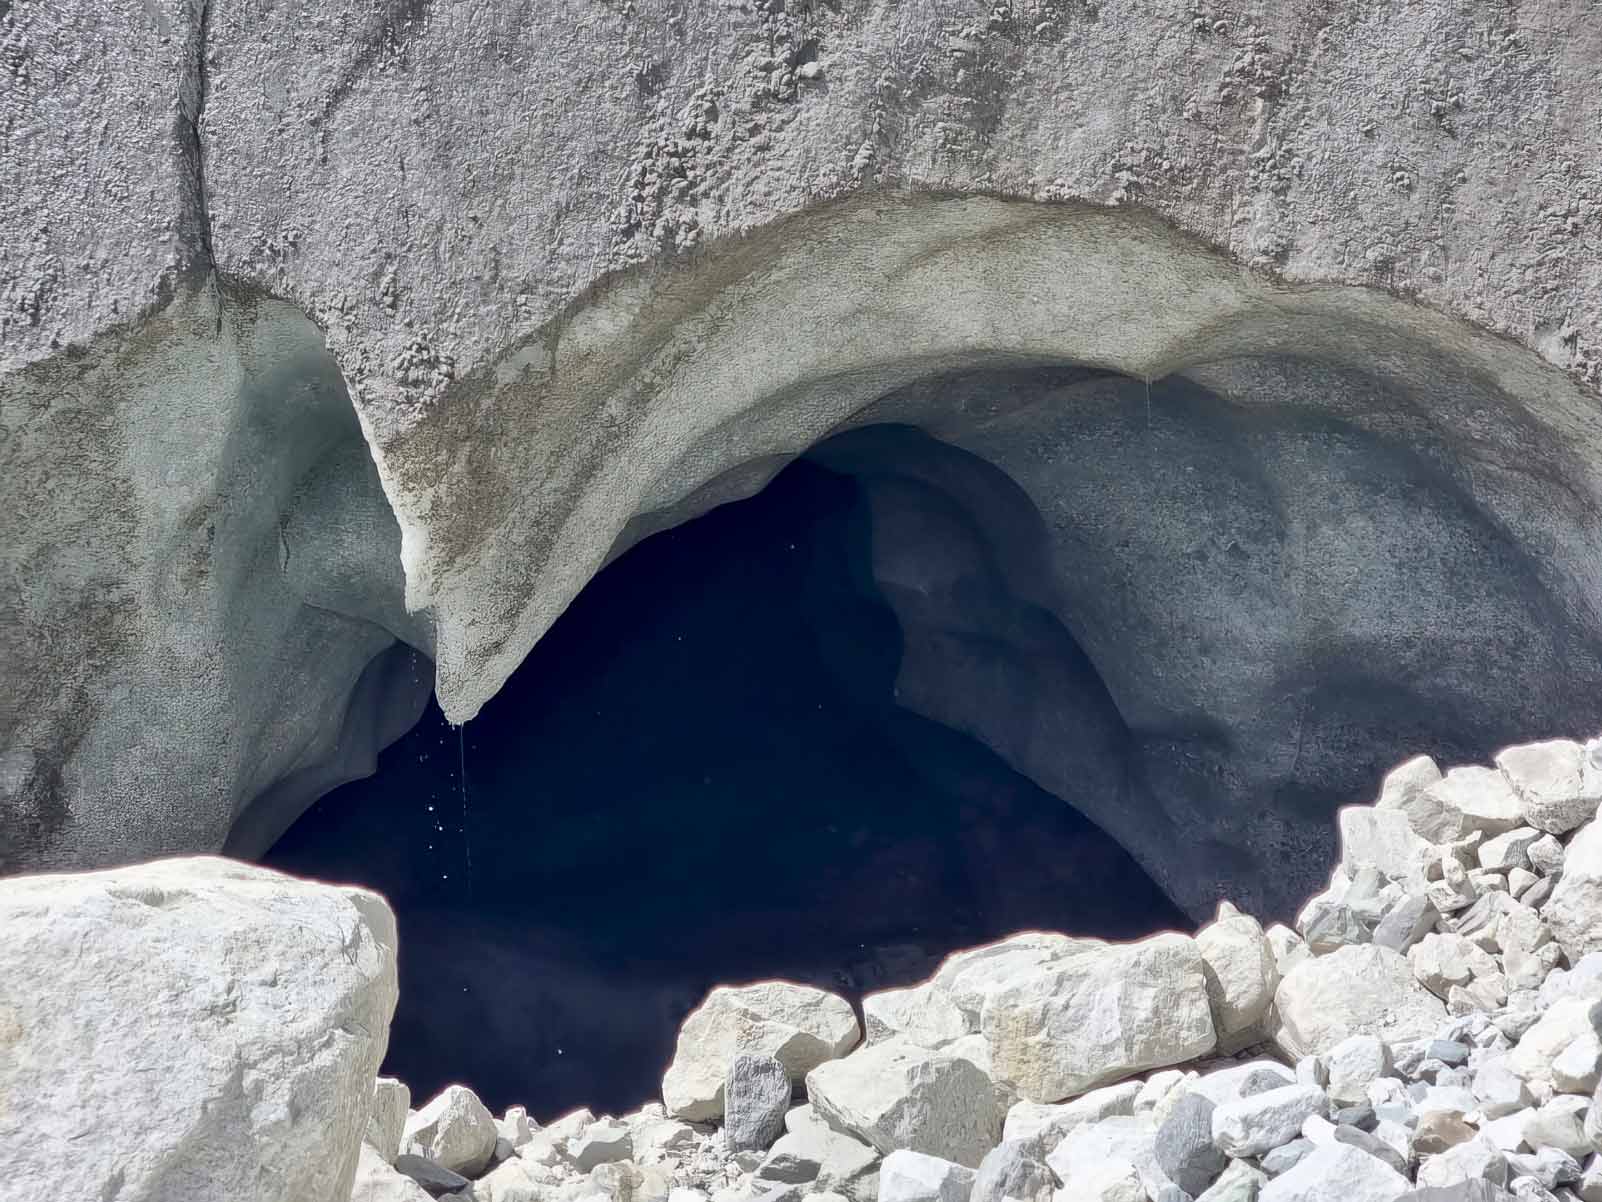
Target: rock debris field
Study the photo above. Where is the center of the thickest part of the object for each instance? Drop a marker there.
(1431, 1030)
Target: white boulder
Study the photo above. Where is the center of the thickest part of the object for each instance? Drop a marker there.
(1383, 840)
(376, 1181)
(969, 977)
(1259, 1122)
(1405, 781)
(1574, 911)
(1069, 1025)
(1240, 971)
(1366, 990)
(907, 1176)
(1466, 800)
(454, 1130)
(214, 1026)
(1558, 1027)
(1555, 781)
(387, 1122)
(1337, 1172)
(1110, 1180)
(798, 1025)
(605, 1141)
(1049, 1123)
(1354, 1064)
(922, 1015)
(898, 1095)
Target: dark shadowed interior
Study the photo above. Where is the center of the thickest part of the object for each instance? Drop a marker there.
(1032, 645)
(700, 775)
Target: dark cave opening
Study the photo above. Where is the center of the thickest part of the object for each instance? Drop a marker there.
(701, 774)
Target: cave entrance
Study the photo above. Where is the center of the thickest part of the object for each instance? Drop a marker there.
(703, 774)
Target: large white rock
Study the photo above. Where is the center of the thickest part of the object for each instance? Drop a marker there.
(1563, 1022)
(1049, 1123)
(1241, 973)
(1337, 1172)
(798, 1025)
(1556, 783)
(1405, 781)
(514, 1180)
(1132, 1140)
(1365, 990)
(922, 1015)
(1066, 1026)
(1574, 911)
(387, 1123)
(898, 1095)
(1263, 1121)
(1382, 839)
(1466, 799)
(907, 1176)
(190, 1028)
(1109, 1180)
(376, 1181)
(968, 977)
(453, 1129)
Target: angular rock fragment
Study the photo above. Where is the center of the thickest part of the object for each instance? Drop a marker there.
(1261, 1122)
(435, 1178)
(1047, 1123)
(1011, 1172)
(1408, 920)
(1240, 1182)
(756, 1097)
(799, 1026)
(387, 1121)
(222, 1022)
(1467, 799)
(914, 1177)
(817, 1156)
(1184, 1147)
(1337, 1172)
(1574, 910)
(1355, 990)
(1132, 1140)
(898, 1095)
(922, 1015)
(968, 977)
(1069, 1025)
(1476, 1160)
(378, 1181)
(1381, 839)
(454, 1130)
(604, 1141)
(1240, 970)
(1556, 783)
